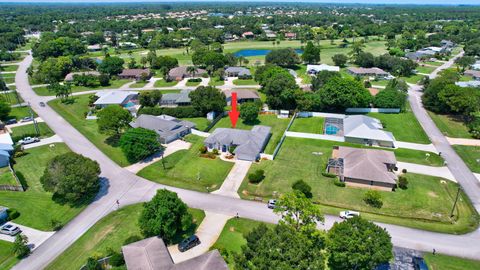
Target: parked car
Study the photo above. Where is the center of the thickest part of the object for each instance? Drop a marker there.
(10, 229)
(419, 263)
(188, 243)
(11, 121)
(271, 203)
(349, 214)
(28, 140)
(42, 104)
(27, 119)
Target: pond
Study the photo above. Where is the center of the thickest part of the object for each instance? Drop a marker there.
(257, 52)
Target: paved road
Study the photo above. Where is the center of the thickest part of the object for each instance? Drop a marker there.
(129, 189)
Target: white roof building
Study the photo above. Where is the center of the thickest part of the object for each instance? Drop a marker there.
(366, 130)
(114, 97)
(317, 68)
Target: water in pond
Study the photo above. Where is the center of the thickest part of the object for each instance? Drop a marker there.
(257, 52)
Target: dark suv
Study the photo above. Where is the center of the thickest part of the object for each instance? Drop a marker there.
(188, 243)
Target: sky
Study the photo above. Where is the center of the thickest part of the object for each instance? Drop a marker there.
(417, 2)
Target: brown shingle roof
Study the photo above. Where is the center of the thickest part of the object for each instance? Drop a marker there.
(135, 72)
(242, 94)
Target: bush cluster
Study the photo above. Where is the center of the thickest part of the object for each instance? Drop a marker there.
(256, 177)
(179, 112)
(195, 80)
(338, 183)
(402, 182)
(373, 198)
(329, 175)
(303, 187)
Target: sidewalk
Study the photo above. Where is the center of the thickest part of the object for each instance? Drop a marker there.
(208, 233)
(35, 237)
(462, 141)
(234, 179)
(417, 146)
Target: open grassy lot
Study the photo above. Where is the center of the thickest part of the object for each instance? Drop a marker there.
(404, 126)
(277, 125)
(29, 130)
(20, 112)
(36, 207)
(12, 97)
(7, 258)
(470, 155)
(114, 84)
(110, 233)
(308, 125)
(425, 204)
(75, 114)
(163, 83)
(450, 125)
(8, 68)
(244, 82)
(186, 169)
(200, 122)
(445, 262)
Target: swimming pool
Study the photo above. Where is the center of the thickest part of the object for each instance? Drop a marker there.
(129, 104)
(257, 52)
(331, 129)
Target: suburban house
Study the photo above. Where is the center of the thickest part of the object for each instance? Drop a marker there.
(6, 148)
(476, 66)
(152, 254)
(314, 69)
(447, 43)
(179, 73)
(70, 75)
(176, 99)
(135, 74)
(248, 144)
(359, 167)
(167, 127)
(3, 214)
(125, 99)
(370, 72)
(475, 74)
(468, 84)
(240, 72)
(290, 35)
(248, 35)
(419, 55)
(96, 47)
(366, 130)
(242, 96)
(127, 45)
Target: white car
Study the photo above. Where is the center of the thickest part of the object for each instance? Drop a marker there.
(10, 229)
(28, 140)
(271, 204)
(349, 214)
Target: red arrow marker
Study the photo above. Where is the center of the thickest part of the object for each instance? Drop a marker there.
(234, 114)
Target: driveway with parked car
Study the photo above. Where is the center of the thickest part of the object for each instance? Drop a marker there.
(35, 237)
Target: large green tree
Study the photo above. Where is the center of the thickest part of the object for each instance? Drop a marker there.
(339, 94)
(282, 57)
(139, 143)
(206, 99)
(249, 112)
(5, 109)
(113, 119)
(340, 60)
(111, 65)
(311, 53)
(358, 244)
(298, 212)
(165, 216)
(71, 177)
(322, 78)
(465, 62)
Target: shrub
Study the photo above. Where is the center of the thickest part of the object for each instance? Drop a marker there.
(116, 259)
(231, 149)
(178, 112)
(338, 183)
(104, 80)
(12, 213)
(215, 151)
(404, 170)
(202, 149)
(402, 182)
(195, 80)
(373, 198)
(329, 175)
(56, 224)
(256, 177)
(303, 187)
(92, 264)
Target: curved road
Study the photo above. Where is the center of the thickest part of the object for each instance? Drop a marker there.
(120, 184)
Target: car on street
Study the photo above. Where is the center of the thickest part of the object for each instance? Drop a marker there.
(349, 214)
(10, 229)
(271, 203)
(11, 121)
(42, 104)
(27, 119)
(188, 243)
(419, 263)
(28, 140)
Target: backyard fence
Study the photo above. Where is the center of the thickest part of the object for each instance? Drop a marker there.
(277, 148)
(372, 110)
(18, 187)
(320, 114)
(218, 118)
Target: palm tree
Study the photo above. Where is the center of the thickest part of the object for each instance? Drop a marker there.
(241, 59)
(192, 70)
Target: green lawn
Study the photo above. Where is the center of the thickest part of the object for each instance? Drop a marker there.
(163, 83)
(425, 69)
(425, 204)
(12, 97)
(437, 64)
(404, 126)
(75, 114)
(192, 84)
(9, 68)
(244, 82)
(36, 207)
(110, 233)
(277, 125)
(7, 258)
(200, 122)
(20, 112)
(450, 125)
(232, 237)
(138, 85)
(29, 130)
(470, 155)
(186, 169)
(6, 177)
(308, 125)
(8, 79)
(413, 79)
(43, 91)
(445, 262)
(215, 81)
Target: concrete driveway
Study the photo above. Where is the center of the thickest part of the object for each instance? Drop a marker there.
(35, 237)
(50, 140)
(234, 179)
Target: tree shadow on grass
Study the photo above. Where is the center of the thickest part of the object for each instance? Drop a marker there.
(113, 140)
(251, 123)
(22, 179)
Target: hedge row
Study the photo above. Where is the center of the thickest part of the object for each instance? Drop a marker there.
(178, 112)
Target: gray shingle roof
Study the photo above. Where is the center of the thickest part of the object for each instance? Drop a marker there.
(240, 70)
(361, 126)
(176, 98)
(163, 125)
(362, 71)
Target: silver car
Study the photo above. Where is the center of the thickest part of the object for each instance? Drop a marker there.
(10, 229)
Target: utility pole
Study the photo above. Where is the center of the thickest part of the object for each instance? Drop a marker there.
(35, 124)
(455, 203)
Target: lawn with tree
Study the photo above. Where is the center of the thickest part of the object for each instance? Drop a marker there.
(139, 143)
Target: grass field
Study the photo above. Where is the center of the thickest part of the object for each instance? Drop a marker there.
(425, 69)
(470, 155)
(450, 125)
(200, 122)
(110, 233)
(43, 91)
(6, 177)
(308, 125)
(425, 204)
(75, 114)
(277, 125)
(437, 64)
(8, 68)
(163, 83)
(35, 205)
(138, 85)
(192, 84)
(12, 97)
(29, 130)
(20, 112)
(413, 79)
(186, 169)
(244, 82)
(7, 258)
(216, 81)
(444, 262)
(9, 78)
